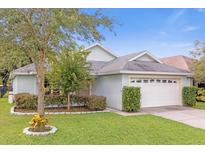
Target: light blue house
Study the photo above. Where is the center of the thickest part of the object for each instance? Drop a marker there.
(161, 85)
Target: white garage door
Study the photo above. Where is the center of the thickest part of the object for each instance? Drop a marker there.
(158, 92)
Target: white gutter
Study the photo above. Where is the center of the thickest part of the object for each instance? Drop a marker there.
(144, 72)
(13, 74)
(30, 73)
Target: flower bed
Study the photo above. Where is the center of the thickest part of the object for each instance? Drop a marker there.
(49, 130)
(63, 110)
(55, 109)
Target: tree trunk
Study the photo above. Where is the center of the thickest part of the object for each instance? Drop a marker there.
(68, 99)
(5, 77)
(40, 82)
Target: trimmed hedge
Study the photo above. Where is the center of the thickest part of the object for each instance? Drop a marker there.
(58, 100)
(96, 103)
(79, 99)
(25, 101)
(189, 95)
(29, 101)
(131, 99)
(92, 102)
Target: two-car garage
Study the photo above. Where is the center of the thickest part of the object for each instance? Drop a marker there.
(158, 91)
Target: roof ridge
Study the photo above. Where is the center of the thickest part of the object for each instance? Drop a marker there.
(104, 48)
(24, 66)
(177, 56)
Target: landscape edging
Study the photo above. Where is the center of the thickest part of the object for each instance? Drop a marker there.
(54, 113)
(30, 133)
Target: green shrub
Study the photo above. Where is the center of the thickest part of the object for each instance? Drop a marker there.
(25, 101)
(58, 100)
(92, 102)
(131, 99)
(29, 101)
(79, 99)
(189, 95)
(96, 103)
(201, 95)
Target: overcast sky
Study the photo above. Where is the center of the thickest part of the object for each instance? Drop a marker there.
(163, 32)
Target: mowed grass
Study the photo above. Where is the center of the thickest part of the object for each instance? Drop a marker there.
(200, 105)
(99, 128)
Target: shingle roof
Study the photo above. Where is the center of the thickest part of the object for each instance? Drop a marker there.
(31, 69)
(26, 69)
(151, 67)
(96, 66)
(119, 64)
(179, 61)
(123, 64)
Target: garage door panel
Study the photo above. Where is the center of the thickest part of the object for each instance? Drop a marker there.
(155, 93)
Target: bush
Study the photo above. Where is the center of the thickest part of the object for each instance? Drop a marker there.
(29, 101)
(92, 102)
(38, 123)
(131, 99)
(201, 95)
(189, 95)
(96, 103)
(58, 100)
(79, 99)
(25, 101)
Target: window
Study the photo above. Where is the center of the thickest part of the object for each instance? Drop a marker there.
(139, 81)
(132, 81)
(145, 81)
(164, 81)
(174, 81)
(152, 80)
(158, 81)
(169, 81)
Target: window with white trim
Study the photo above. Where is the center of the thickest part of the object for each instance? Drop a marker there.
(158, 81)
(145, 81)
(151, 80)
(138, 81)
(169, 81)
(164, 81)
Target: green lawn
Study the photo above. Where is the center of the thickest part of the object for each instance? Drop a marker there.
(200, 105)
(100, 128)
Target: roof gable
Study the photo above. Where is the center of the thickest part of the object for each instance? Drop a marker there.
(138, 62)
(99, 53)
(145, 56)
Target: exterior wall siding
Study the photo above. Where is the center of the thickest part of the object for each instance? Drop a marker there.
(109, 86)
(98, 54)
(146, 58)
(25, 83)
(14, 85)
(187, 81)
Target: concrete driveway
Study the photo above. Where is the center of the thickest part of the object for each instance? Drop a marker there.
(186, 115)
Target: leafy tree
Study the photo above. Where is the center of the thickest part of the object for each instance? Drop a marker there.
(70, 72)
(11, 58)
(41, 33)
(199, 65)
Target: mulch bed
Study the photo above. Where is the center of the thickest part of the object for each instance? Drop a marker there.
(44, 130)
(55, 109)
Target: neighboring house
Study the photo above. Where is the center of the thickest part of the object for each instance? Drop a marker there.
(161, 84)
(180, 61)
